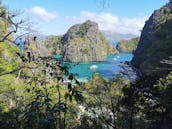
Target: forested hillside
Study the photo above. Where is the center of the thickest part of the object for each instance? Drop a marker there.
(128, 45)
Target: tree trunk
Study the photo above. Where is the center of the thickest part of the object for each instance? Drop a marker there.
(131, 118)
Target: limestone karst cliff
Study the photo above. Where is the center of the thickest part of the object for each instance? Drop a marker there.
(84, 42)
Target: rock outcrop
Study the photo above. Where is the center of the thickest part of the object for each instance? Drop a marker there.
(84, 43)
(154, 51)
(127, 45)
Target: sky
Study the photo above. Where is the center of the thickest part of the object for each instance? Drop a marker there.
(55, 17)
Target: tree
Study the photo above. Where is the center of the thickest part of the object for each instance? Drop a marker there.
(138, 100)
(102, 108)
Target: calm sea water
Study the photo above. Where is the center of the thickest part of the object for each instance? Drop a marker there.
(108, 68)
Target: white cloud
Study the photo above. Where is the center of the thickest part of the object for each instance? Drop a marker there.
(43, 14)
(109, 22)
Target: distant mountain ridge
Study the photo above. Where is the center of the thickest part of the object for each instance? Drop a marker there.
(116, 37)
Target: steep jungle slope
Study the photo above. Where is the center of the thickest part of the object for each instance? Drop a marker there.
(154, 51)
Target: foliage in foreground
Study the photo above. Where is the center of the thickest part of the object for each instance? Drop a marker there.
(39, 96)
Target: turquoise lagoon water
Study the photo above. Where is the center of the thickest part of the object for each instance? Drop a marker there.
(107, 68)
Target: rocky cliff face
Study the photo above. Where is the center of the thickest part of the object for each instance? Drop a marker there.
(84, 42)
(154, 50)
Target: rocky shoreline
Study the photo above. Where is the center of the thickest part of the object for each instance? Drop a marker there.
(130, 71)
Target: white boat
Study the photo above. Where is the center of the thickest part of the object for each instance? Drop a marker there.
(66, 81)
(93, 67)
(115, 59)
(118, 56)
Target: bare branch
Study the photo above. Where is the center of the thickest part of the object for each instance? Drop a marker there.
(15, 70)
(14, 26)
(11, 72)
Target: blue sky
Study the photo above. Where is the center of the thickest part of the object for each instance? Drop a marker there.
(56, 16)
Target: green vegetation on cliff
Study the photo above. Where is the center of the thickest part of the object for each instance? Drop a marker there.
(127, 45)
(53, 45)
(153, 53)
(157, 57)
